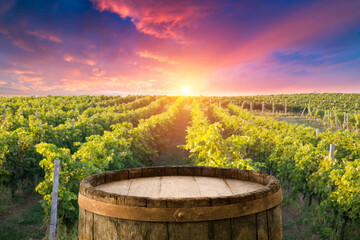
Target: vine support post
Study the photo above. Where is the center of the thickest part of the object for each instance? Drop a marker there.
(262, 108)
(317, 132)
(285, 107)
(332, 151)
(303, 112)
(55, 194)
(336, 125)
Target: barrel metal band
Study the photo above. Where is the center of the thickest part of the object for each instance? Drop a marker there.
(191, 214)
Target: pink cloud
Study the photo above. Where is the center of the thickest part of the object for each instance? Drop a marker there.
(297, 28)
(45, 36)
(68, 58)
(162, 19)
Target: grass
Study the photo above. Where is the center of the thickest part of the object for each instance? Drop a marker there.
(172, 154)
(300, 222)
(21, 217)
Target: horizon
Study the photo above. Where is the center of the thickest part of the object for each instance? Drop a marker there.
(208, 48)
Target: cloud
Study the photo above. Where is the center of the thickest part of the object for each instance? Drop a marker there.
(160, 18)
(45, 36)
(69, 58)
(147, 54)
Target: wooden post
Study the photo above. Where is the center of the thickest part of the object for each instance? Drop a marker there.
(344, 121)
(332, 150)
(242, 106)
(36, 114)
(72, 123)
(75, 110)
(136, 97)
(336, 125)
(317, 132)
(251, 106)
(40, 125)
(156, 97)
(347, 119)
(219, 103)
(210, 102)
(57, 110)
(273, 109)
(303, 112)
(285, 107)
(294, 137)
(55, 193)
(262, 108)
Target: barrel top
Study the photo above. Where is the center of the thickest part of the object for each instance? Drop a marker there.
(179, 193)
(179, 187)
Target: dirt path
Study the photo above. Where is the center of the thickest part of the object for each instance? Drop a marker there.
(172, 155)
(21, 217)
(300, 121)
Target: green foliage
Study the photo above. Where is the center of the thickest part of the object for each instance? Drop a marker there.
(208, 148)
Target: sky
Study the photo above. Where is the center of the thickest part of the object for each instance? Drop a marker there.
(209, 47)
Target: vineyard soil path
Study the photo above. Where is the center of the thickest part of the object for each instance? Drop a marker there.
(172, 154)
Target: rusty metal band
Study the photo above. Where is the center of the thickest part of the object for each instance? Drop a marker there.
(191, 214)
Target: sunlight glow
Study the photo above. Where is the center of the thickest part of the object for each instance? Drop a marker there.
(185, 90)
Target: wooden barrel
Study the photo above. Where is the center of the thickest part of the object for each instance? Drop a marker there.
(180, 202)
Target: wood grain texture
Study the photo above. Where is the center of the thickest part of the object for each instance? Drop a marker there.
(210, 187)
(179, 187)
(221, 229)
(180, 202)
(149, 187)
(243, 227)
(237, 186)
(275, 223)
(262, 226)
(187, 231)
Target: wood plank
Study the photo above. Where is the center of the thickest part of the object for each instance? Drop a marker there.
(238, 186)
(179, 187)
(221, 229)
(89, 225)
(187, 231)
(81, 225)
(275, 223)
(212, 187)
(145, 187)
(262, 226)
(117, 187)
(114, 228)
(243, 227)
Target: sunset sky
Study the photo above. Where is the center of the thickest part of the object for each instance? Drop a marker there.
(210, 47)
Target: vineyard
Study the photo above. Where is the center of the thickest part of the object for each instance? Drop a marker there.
(91, 135)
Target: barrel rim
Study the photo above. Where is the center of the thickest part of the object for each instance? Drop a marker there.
(87, 186)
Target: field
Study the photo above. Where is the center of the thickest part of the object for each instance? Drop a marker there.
(288, 136)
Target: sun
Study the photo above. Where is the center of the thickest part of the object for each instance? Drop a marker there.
(185, 90)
